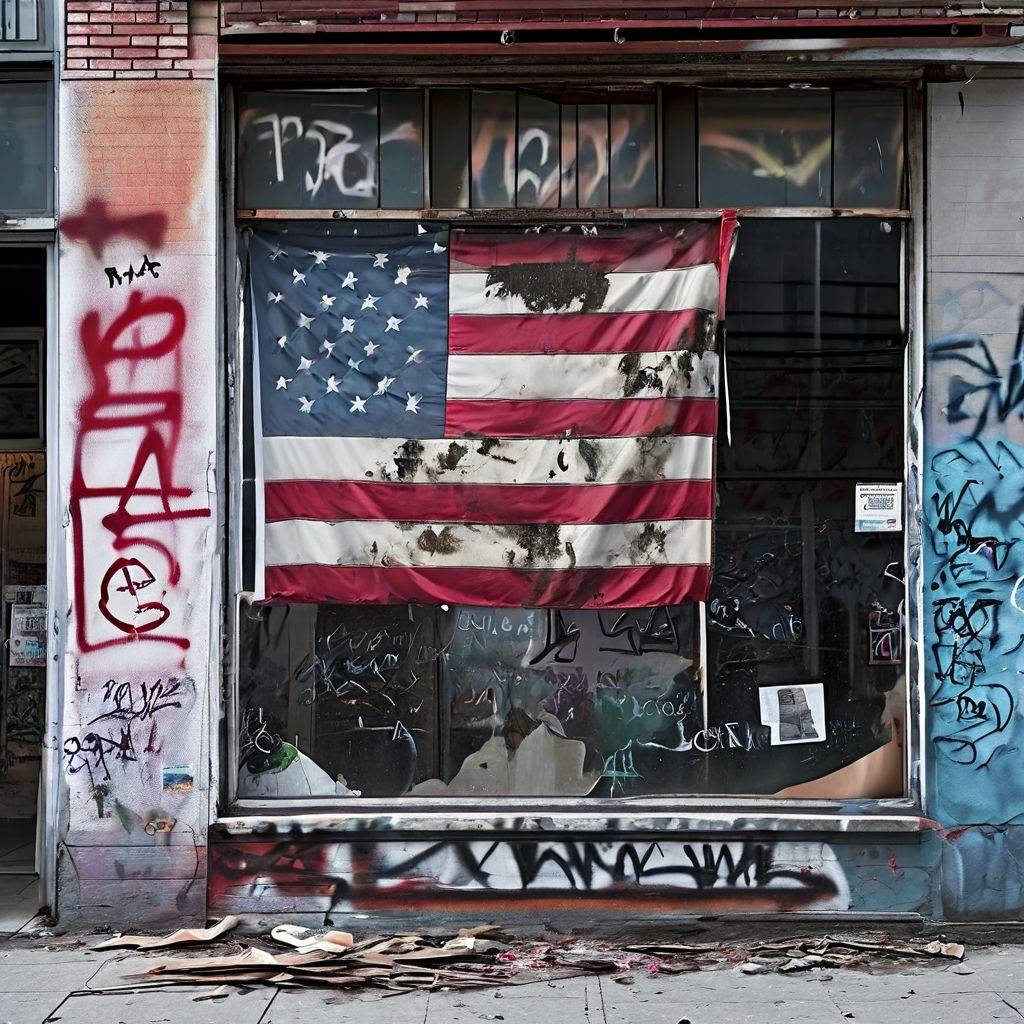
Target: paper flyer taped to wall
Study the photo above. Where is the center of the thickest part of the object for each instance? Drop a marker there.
(794, 713)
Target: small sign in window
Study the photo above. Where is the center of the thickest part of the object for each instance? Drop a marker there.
(878, 508)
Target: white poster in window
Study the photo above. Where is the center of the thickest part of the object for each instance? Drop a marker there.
(794, 713)
(28, 636)
(878, 508)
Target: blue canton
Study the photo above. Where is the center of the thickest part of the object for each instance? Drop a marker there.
(351, 333)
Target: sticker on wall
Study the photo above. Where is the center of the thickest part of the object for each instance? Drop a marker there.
(177, 778)
(28, 636)
(878, 508)
(885, 637)
(794, 713)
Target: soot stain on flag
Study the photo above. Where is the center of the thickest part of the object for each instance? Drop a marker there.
(649, 464)
(539, 541)
(408, 460)
(450, 459)
(651, 536)
(548, 286)
(443, 543)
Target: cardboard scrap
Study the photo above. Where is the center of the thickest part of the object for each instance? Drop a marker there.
(182, 937)
(306, 941)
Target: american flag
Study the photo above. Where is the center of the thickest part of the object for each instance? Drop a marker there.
(500, 418)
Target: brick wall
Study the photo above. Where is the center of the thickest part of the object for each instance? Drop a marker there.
(140, 38)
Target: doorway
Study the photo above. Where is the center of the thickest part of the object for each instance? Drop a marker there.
(23, 319)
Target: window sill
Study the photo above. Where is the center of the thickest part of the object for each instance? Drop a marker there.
(869, 816)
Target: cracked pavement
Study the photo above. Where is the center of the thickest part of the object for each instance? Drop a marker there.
(46, 986)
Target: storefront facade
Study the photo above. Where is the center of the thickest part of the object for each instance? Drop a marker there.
(748, 642)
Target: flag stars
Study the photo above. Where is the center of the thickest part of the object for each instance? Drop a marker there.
(304, 364)
(383, 384)
(438, 249)
(350, 281)
(320, 256)
(348, 325)
(358, 405)
(328, 347)
(282, 383)
(403, 275)
(412, 403)
(274, 297)
(306, 404)
(415, 355)
(327, 301)
(355, 363)
(276, 255)
(298, 277)
(370, 302)
(380, 259)
(282, 341)
(332, 384)
(369, 348)
(421, 302)
(305, 321)
(393, 324)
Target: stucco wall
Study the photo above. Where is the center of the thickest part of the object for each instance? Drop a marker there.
(137, 385)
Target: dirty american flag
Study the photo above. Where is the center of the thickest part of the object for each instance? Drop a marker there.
(492, 418)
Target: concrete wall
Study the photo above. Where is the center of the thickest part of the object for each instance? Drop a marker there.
(974, 491)
(137, 387)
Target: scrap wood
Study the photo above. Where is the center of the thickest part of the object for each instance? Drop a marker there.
(671, 947)
(182, 937)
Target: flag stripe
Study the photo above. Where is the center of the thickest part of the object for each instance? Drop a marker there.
(645, 248)
(643, 587)
(617, 417)
(485, 546)
(431, 460)
(627, 293)
(604, 375)
(483, 503)
(654, 331)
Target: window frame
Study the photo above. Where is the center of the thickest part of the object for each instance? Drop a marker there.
(895, 814)
(11, 48)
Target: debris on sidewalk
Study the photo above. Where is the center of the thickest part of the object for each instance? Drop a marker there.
(182, 937)
(485, 956)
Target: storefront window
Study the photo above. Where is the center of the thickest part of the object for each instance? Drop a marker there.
(789, 680)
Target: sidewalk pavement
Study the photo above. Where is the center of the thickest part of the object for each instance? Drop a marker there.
(44, 986)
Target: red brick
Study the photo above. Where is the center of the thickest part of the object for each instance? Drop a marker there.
(98, 30)
(146, 18)
(143, 40)
(114, 18)
(111, 65)
(134, 5)
(72, 65)
(79, 30)
(87, 51)
(134, 51)
(135, 74)
(153, 65)
(88, 5)
(174, 74)
(77, 17)
(75, 75)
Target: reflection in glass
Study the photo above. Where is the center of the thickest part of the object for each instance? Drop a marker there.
(538, 152)
(869, 148)
(26, 130)
(401, 149)
(308, 151)
(592, 154)
(634, 180)
(449, 149)
(568, 183)
(768, 147)
(493, 152)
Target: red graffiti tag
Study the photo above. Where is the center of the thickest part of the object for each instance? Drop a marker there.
(95, 226)
(136, 500)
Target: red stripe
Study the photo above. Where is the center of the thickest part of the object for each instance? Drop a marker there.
(489, 503)
(632, 587)
(578, 333)
(585, 417)
(670, 246)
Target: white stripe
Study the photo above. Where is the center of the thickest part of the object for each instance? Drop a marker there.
(310, 542)
(606, 460)
(590, 375)
(688, 288)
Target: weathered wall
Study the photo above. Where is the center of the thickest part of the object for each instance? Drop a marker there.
(138, 461)
(974, 492)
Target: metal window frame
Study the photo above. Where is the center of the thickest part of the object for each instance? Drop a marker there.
(42, 219)
(722, 811)
(13, 49)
